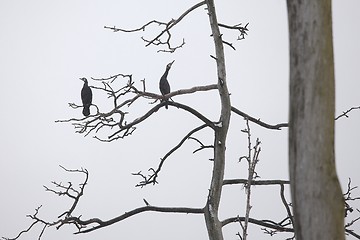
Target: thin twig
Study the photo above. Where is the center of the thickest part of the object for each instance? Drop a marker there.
(345, 113)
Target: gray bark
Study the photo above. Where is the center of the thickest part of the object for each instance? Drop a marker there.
(316, 195)
(212, 206)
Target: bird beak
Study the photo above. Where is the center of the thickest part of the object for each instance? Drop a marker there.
(81, 79)
(170, 64)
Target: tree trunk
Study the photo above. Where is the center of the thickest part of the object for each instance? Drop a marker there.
(316, 195)
(212, 206)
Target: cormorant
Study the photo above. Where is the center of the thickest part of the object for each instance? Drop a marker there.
(86, 97)
(164, 84)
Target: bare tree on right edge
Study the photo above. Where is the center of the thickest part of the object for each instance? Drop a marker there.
(318, 203)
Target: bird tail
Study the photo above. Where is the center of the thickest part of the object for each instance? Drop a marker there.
(166, 105)
(86, 110)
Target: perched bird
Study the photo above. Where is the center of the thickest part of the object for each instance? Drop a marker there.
(164, 84)
(86, 97)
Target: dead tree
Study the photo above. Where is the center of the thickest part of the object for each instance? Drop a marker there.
(316, 194)
(123, 91)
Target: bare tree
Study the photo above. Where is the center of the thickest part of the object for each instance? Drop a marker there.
(212, 206)
(316, 194)
(123, 91)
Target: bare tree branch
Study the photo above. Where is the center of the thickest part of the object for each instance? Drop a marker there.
(345, 113)
(202, 146)
(104, 119)
(255, 182)
(264, 223)
(101, 224)
(258, 121)
(165, 32)
(286, 204)
(82, 225)
(352, 233)
(64, 191)
(114, 77)
(192, 90)
(229, 44)
(79, 193)
(242, 30)
(157, 107)
(252, 160)
(281, 125)
(348, 197)
(349, 210)
(26, 230)
(152, 178)
(116, 118)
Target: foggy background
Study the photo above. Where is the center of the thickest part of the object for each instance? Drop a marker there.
(45, 46)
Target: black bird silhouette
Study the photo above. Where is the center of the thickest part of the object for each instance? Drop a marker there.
(86, 97)
(164, 84)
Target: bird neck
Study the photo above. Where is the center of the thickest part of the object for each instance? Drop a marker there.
(166, 73)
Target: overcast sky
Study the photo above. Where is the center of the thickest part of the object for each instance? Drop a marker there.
(45, 46)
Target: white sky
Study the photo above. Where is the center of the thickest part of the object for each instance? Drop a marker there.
(45, 46)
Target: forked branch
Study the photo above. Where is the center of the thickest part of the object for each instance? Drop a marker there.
(239, 27)
(100, 224)
(269, 226)
(252, 159)
(123, 95)
(164, 37)
(88, 225)
(152, 177)
(62, 190)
